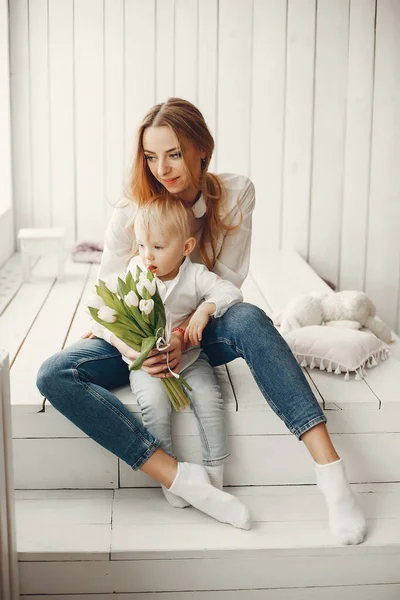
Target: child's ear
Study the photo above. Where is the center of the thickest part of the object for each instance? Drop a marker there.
(189, 246)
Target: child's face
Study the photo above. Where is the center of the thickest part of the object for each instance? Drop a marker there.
(162, 253)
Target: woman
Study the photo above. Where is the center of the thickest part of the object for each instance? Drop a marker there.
(174, 149)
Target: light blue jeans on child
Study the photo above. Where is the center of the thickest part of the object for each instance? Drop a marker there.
(206, 403)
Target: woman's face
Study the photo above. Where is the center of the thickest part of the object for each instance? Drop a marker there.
(164, 158)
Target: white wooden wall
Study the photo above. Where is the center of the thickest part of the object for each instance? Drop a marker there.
(302, 95)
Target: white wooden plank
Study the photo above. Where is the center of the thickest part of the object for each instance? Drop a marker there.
(291, 465)
(17, 319)
(342, 568)
(358, 144)
(186, 50)
(359, 592)
(81, 322)
(329, 141)
(207, 67)
(383, 258)
(113, 102)
(46, 336)
(384, 381)
(89, 115)
(20, 112)
(285, 275)
(139, 61)
(39, 118)
(164, 52)
(339, 394)
(62, 125)
(74, 525)
(265, 503)
(234, 86)
(298, 125)
(267, 120)
(63, 463)
(10, 280)
(50, 423)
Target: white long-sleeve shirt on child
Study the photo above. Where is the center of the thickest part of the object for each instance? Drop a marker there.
(193, 285)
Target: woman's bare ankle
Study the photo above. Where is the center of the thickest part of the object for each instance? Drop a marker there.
(161, 467)
(319, 444)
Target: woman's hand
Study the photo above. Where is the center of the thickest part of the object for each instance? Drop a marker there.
(89, 335)
(156, 362)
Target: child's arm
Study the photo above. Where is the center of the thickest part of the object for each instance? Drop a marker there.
(198, 321)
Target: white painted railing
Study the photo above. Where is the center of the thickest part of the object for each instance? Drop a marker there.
(9, 588)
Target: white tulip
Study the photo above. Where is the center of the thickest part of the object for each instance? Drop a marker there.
(95, 301)
(107, 314)
(131, 299)
(112, 283)
(146, 306)
(149, 285)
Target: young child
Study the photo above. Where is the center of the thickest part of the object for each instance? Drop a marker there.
(164, 243)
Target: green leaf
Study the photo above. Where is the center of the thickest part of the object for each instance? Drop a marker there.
(129, 279)
(123, 288)
(138, 271)
(105, 294)
(147, 346)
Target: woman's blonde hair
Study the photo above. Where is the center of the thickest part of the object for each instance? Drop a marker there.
(189, 126)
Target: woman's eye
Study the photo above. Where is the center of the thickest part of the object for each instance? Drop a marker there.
(158, 247)
(148, 157)
(176, 155)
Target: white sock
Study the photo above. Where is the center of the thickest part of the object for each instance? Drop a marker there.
(216, 475)
(346, 521)
(192, 484)
(173, 499)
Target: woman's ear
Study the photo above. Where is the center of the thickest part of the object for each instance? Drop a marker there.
(189, 246)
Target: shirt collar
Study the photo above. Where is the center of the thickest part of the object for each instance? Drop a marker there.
(199, 207)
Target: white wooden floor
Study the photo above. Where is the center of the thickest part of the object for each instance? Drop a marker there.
(109, 530)
(114, 544)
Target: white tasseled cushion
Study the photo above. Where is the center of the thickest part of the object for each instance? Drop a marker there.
(336, 350)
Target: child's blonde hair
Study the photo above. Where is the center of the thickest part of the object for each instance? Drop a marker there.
(164, 214)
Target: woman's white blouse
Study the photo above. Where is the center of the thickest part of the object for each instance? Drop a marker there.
(232, 247)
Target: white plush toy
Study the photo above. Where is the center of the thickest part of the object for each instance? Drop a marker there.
(349, 309)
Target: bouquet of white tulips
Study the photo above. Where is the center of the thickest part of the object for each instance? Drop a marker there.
(132, 310)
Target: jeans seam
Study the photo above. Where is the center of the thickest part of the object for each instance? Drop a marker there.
(309, 425)
(111, 407)
(95, 358)
(149, 451)
(216, 461)
(202, 432)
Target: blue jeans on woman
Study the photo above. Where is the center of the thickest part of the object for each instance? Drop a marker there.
(77, 381)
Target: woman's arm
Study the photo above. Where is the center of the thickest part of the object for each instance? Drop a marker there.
(233, 259)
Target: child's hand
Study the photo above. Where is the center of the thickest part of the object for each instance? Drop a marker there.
(199, 320)
(89, 335)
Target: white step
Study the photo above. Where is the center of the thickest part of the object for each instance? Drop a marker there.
(108, 542)
(49, 452)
